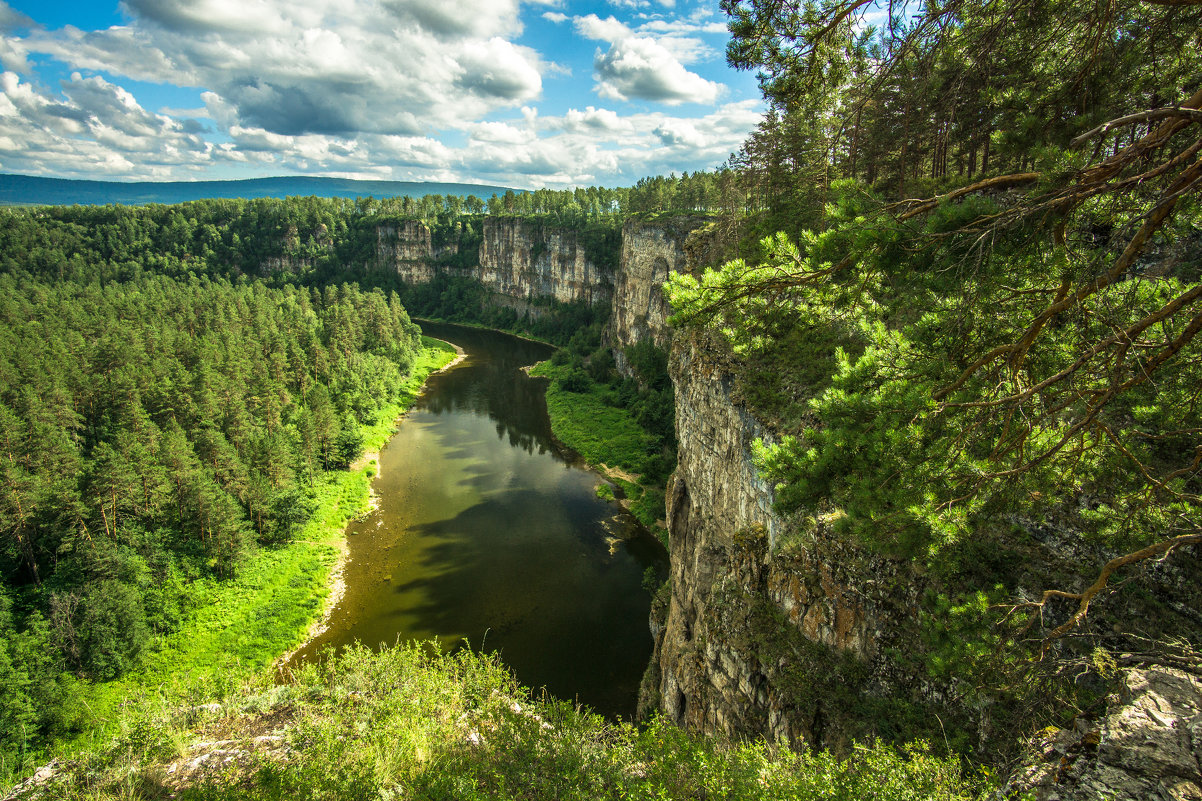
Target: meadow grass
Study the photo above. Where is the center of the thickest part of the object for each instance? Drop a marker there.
(600, 433)
(413, 722)
(604, 435)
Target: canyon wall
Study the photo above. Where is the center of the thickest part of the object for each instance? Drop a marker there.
(525, 260)
(651, 251)
(406, 248)
(768, 631)
(768, 627)
(521, 261)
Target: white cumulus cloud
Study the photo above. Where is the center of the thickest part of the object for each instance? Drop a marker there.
(637, 66)
(394, 89)
(319, 66)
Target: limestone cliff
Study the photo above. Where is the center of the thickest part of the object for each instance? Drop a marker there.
(520, 261)
(762, 637)
(295, 255)
(524, 260)
(651, 251)
(406, 248)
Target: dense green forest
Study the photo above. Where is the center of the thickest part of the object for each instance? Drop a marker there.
(155, 432)
(1027, 330)
(171, 398)
(333, 238)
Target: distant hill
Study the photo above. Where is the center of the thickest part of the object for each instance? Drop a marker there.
(32, 190)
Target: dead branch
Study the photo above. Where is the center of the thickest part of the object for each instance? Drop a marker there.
(1085, 597)
(1191, 114)
(1000, 182)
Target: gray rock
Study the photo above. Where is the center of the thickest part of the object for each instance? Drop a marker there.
(1146, 747)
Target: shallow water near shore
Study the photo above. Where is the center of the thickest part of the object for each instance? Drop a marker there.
(487, 533)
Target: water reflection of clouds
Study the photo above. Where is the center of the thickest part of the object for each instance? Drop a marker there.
(500, 538)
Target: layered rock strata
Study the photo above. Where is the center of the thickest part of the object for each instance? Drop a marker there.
(651, 251)
(524, 260)
(406, 248)
(521, 262)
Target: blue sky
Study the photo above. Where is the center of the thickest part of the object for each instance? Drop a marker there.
(525, 93)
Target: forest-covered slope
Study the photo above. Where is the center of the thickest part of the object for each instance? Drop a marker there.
(158, 434)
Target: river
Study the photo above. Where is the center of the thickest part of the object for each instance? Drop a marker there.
(488, 533)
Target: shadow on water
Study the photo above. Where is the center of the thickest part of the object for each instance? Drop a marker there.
(488, 533)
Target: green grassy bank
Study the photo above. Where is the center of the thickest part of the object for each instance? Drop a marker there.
(237, 626)
(585, 417)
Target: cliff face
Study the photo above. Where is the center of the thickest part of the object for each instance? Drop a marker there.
(650, 253)
(769, 632)
(291, 259)
(518, 260)
(523, 260)
(406, 249)
(785, 630)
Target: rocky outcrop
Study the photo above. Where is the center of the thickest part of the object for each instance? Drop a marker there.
(406, 248)
(524, 260)
(293, 258)
(521, 262)
(651, 251)
(769, 632)
(1147, 746)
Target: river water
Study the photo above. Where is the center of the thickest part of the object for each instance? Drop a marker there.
(487, 533)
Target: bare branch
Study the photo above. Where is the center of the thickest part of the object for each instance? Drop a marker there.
(1086, 596)
(1000, 182)
(1191, 114)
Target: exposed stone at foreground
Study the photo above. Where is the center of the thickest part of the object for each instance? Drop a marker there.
(1148, 746)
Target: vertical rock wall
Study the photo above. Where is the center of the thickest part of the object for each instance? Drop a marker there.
(523, 260)
(519, 261)
(769, 632)
(649, 254)
(406, 249)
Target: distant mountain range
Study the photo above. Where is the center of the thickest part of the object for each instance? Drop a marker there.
(32, 190)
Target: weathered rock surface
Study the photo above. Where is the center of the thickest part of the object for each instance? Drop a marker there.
(520, 261)
(1148, 746)
(525, 260)
(651, 251)
(290, 259)
(406, 248)
(761, 638)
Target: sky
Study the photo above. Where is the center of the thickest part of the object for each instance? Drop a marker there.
(521, 93)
